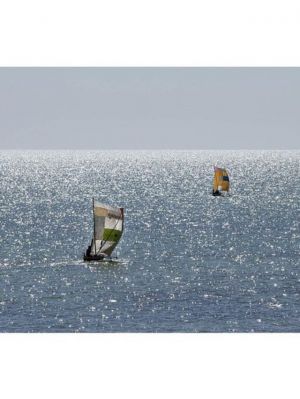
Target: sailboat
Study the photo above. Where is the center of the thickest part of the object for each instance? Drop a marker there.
(108, 229)
(220, 182)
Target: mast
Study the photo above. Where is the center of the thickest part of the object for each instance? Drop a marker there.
(94, 224)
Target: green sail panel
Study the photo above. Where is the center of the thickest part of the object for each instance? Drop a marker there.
(112, 235)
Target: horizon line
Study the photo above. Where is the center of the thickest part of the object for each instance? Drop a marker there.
(149, 149)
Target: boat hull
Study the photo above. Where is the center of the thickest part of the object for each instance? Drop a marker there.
(217, 193)
(93, 258)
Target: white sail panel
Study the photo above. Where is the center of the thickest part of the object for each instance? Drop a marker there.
(113, 223)
(98, 246)
(99, 227)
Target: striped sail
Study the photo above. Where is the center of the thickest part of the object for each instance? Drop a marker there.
(221, 180)
(108, 228)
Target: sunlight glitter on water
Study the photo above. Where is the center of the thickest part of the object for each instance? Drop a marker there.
(187, 261)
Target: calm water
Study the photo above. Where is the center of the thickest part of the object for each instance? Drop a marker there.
(187, 261)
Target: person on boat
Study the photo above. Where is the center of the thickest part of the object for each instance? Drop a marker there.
(88, 251)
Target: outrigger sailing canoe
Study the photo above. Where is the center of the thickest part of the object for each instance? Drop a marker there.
(220, 182)
(108, 229)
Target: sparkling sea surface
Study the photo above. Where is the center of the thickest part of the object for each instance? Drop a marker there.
(187, 262)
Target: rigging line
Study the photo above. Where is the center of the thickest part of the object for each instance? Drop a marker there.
(107, 239)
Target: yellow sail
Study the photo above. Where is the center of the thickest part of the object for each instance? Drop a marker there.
(221, 180)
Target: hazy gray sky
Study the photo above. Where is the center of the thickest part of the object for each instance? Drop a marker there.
(149, 108)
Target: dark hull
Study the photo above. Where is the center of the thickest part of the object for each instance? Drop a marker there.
(216, 193)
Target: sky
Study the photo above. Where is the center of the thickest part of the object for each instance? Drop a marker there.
(149, 108)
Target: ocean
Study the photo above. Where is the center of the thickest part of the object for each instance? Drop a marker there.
(187, 261)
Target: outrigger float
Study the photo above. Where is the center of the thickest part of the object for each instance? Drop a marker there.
(108, 229)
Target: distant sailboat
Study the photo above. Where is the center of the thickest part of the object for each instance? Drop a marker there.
(220, 182)
(108, 229)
